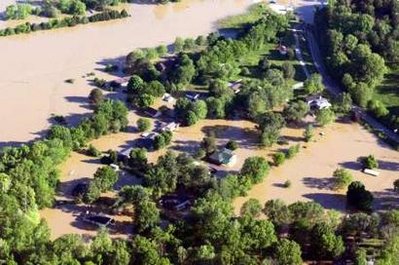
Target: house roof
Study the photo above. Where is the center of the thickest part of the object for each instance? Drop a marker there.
(223, 156)
(151, 111)
(318, 101)
(122, 80)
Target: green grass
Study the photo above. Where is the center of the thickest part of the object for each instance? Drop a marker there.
(388, 92)
(254, 13)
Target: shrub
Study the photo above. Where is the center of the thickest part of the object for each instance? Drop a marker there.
(96, 96)
(143, 124)
(308, 133)
(292, 151)
(370, 162)
(287, 184)
(92, 151)
(396, 185)
(342, 178)
(278, 158)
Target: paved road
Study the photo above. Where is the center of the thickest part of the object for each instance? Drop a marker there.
(335, 89)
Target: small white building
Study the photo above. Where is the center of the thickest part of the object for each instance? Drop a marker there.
(149, 135)
(172, 126)
(318, 102)
(168, 98)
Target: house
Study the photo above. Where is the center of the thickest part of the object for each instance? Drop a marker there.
(168, 98)
(235, 86)
(149, 135)
(171, 126)
(223, 157)
(98, 219)
(152, 112)
(318, 102)
(124, 155)
(175, 202)
(120, 82)
(192, 96)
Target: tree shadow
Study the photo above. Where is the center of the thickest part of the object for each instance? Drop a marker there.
(328, 201)
(351, 165)
(320, 183)
(386, 200)
(388, 165)
(65, 188)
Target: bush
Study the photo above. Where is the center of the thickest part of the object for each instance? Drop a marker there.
(370, 162)
(232, 145)
(287, 184)
(143, 124)
(308, 133)
(96, 96)
(92, 151)
(278, 158)
(292, 151)
(342, 178)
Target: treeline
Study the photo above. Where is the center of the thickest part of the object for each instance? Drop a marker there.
(53, 8)
(360, 41)
(29, 176)
(65, 22)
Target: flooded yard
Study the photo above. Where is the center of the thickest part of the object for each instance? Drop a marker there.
(310, 172)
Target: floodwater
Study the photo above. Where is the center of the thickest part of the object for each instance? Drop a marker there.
(310, 172)
(34, 67)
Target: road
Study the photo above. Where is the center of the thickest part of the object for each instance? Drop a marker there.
(335, 89)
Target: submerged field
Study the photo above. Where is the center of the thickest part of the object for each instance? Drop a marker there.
(311, 171)
(35, 66)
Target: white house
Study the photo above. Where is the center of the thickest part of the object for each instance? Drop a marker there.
(172, 126)
(318, 102)
(168, 98)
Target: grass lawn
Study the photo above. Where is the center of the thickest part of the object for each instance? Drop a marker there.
(388, 92)
(254, 13)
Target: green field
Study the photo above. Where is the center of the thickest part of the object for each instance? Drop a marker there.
(388, 92)
(254, 13)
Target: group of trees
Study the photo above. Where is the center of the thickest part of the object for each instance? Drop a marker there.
(359, 39)
(64, 22)
(29, 176)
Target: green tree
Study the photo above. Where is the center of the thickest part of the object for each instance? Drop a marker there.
(358, 197)
(326, 244)
(296, 111)
(232, 145)
(96, 96)
(277, 212)
(255, 168)
(314, 84)
(251, 208)
(143, 124)
(288, 252)
(135, 84)
(178, 45)
(200, 109)
(325, 116)
(288, 70)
